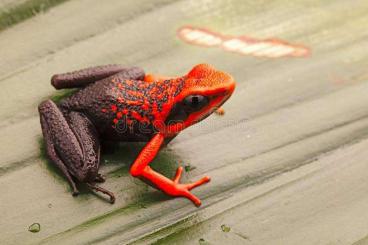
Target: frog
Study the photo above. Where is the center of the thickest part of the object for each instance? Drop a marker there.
(117, 103)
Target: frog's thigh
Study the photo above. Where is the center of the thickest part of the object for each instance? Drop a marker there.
(87, 137)
(65, 141)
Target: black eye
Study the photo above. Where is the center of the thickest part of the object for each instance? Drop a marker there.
(195, 102)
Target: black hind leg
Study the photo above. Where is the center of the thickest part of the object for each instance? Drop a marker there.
(73, 145)
(51, 152)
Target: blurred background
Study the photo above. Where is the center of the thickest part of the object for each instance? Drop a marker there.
(288, 158)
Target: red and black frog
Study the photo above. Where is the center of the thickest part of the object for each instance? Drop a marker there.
(117, 103)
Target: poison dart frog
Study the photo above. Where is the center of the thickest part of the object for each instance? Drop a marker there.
(117, 103)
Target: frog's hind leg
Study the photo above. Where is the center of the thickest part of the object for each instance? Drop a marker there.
(50, 147)
(72, 144)
(87, 137)
(81, 78)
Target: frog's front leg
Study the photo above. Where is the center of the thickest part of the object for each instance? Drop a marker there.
(72, 144)
(140, 168)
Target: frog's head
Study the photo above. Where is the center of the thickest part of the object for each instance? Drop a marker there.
(205, 89)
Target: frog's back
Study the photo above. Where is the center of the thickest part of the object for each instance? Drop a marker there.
(122, 109)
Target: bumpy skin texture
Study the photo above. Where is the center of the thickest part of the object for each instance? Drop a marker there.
(124, 104)
(82, 77)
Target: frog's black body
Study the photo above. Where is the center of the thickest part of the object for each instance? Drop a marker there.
(124, 104)
(97, 101)
(123, 109)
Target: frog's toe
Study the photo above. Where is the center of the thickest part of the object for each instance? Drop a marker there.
(183, 190)
(202, 181)
(100, 179)
(100, 189)
(220, 111)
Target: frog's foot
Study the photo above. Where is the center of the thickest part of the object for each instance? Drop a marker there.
(183, 190)
(172, 187)
(100, 179)
(100, 189)
(75, 192)
(220, 111)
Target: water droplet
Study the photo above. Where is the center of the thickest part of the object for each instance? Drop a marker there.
(225, 228)
(35, 227)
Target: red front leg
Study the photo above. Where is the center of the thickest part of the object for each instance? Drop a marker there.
(140, 168)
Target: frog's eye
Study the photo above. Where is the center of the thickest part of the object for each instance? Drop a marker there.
(195, 102)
